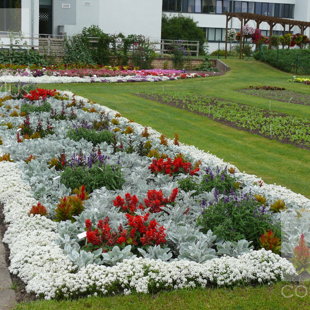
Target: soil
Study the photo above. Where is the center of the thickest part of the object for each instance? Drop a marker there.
(18, 285)
(279, 95)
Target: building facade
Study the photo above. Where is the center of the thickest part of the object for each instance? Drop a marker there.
(209, 15)
(57, 17)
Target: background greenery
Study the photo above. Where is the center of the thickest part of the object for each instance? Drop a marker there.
(182, 28)
(296, 61)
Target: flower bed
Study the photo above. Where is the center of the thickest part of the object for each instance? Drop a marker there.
(103, 75)
(271, 124)
(301, 80)
(277, 93)
(142, 225)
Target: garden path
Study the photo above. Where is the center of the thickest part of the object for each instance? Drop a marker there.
(7, 294)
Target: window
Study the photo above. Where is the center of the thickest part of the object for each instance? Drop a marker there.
(291, 11)
(208, 6)
(225, 6)
(219, 7)
(211, 34)
(277, 10)
(215, 34)
(191, 6)
(271, 9)
(198, 6)
(258, 8)
(264, 8)
(218, 34)
(237, 7)
(172, 5)
(244, 7)
(251, 7)
(10, 15)
(286, 11)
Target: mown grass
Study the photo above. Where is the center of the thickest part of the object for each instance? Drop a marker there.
(275, 162)
(242, 298)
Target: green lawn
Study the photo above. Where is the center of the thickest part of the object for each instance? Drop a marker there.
(243, 298)
(275, 162)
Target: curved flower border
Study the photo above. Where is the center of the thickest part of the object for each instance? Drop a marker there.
(71, 76)
(41, 264)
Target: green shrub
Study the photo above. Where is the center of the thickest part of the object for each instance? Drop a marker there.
(77, 51)
(91, 135)
(207, 65)
(220, 53)
(236, 220)
(182, 28)
(21, 57)
(223, 183)
(295, 61)
(93, 178)
(143, 54)
(247, 50)
(30, 108)
(93, 46)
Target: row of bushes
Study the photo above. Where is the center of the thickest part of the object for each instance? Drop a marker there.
(295, 61)
(93, 46)
(23, 57)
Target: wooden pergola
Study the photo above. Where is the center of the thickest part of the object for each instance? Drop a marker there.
(244, 18)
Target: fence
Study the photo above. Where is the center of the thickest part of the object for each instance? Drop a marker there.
(190, 48)
(48, 45)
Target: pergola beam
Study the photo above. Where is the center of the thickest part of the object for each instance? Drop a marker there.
(268, 19)
(272, 21)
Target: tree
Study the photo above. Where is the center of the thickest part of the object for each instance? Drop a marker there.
(182, 28)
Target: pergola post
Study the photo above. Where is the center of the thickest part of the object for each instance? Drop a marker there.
(270, 33)
(226, 36)
(241, 37)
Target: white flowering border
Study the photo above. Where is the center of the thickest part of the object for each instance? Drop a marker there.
(46, 79)
(47, 271)
(41, 264)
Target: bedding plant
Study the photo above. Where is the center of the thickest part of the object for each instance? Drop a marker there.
(100, 205)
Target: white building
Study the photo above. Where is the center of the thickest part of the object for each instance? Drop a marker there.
(54, 17)
(209, 15)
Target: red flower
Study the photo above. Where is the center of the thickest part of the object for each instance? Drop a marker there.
(171, 167)
(88, 224)
(93, 237)
(40, 94)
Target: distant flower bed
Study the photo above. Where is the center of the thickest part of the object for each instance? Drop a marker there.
(301, 80)
(11, 74)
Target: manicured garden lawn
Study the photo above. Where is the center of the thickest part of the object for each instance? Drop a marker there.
(275, 162)
(245, 298)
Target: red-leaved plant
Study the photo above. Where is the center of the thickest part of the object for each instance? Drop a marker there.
(38, 209)
(301, 259)
(270, 241)
(71, 206)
